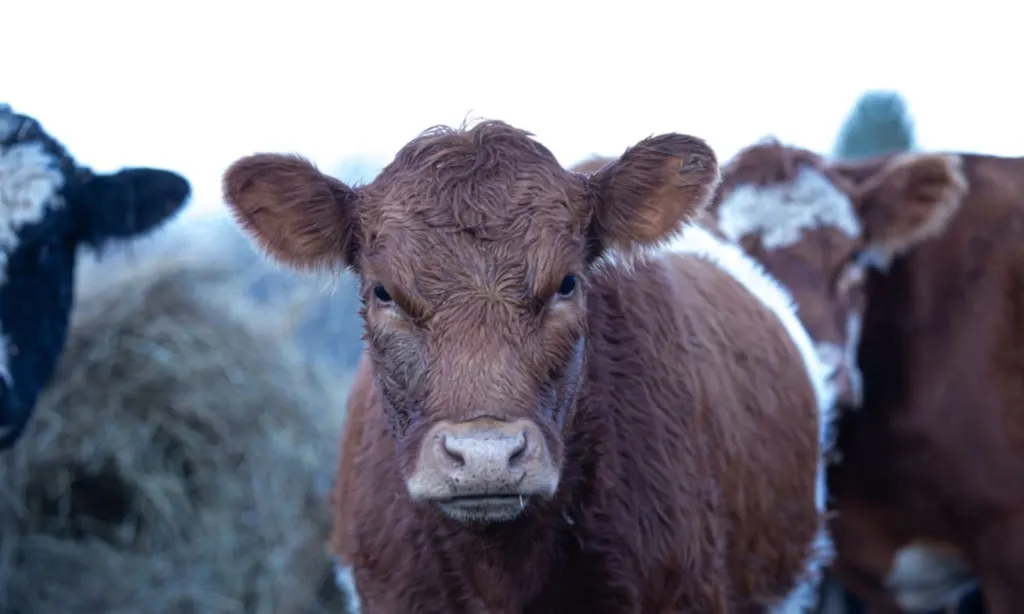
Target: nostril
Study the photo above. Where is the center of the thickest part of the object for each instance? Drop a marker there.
(452, 450)
(518, 451)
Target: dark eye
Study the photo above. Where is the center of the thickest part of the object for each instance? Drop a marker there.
(381, 294)
(567, 287)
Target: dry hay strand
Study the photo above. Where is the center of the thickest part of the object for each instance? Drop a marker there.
(173, 464)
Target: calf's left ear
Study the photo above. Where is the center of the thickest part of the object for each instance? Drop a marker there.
(125, 204)
(646, 195)
(908, 199)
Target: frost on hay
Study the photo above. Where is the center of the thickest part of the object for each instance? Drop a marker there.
(177, 462)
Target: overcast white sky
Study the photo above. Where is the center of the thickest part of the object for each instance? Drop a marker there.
(193, 85)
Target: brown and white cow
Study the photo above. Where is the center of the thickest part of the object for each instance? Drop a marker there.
(566, 405)
(908, 270)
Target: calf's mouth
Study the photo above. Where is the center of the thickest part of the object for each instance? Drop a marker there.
(484, 508)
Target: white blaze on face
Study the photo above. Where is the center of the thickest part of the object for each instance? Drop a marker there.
(780, 213)
(30, 185)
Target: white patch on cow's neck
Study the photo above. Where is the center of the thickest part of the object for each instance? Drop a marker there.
(780, 213)
(833, 355)
(925, 579)
(30, 185)
(733, 260)
(345, 579)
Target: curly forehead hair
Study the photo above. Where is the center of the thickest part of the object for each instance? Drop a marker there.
(478, 180)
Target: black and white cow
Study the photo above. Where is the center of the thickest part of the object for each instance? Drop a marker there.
(49, 205)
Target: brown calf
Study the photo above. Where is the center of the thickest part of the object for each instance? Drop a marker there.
(564, 406)
(908, 271)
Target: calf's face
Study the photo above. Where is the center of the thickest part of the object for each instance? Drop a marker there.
(819, 228)
(473, 249)
(48, 207)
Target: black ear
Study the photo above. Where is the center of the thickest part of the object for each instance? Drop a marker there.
(129, 203)
(13, 418)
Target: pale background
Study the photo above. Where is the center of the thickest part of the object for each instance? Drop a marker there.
(192, 85)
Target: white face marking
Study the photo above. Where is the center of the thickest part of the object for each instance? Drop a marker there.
(854, 323)
(834, 356)
(923, 578)
(779, 214)
(345, 578)
(30, 185)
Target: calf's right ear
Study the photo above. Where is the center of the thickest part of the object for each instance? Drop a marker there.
(300, 216)
(657, 185)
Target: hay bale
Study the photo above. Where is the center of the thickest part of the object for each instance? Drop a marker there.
(324, 306)
(178, 462)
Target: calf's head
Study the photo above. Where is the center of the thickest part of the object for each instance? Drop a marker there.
(473, 249)
(819, 227)
(49, 206)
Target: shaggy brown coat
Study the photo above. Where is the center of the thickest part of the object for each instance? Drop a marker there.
(668, 409)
